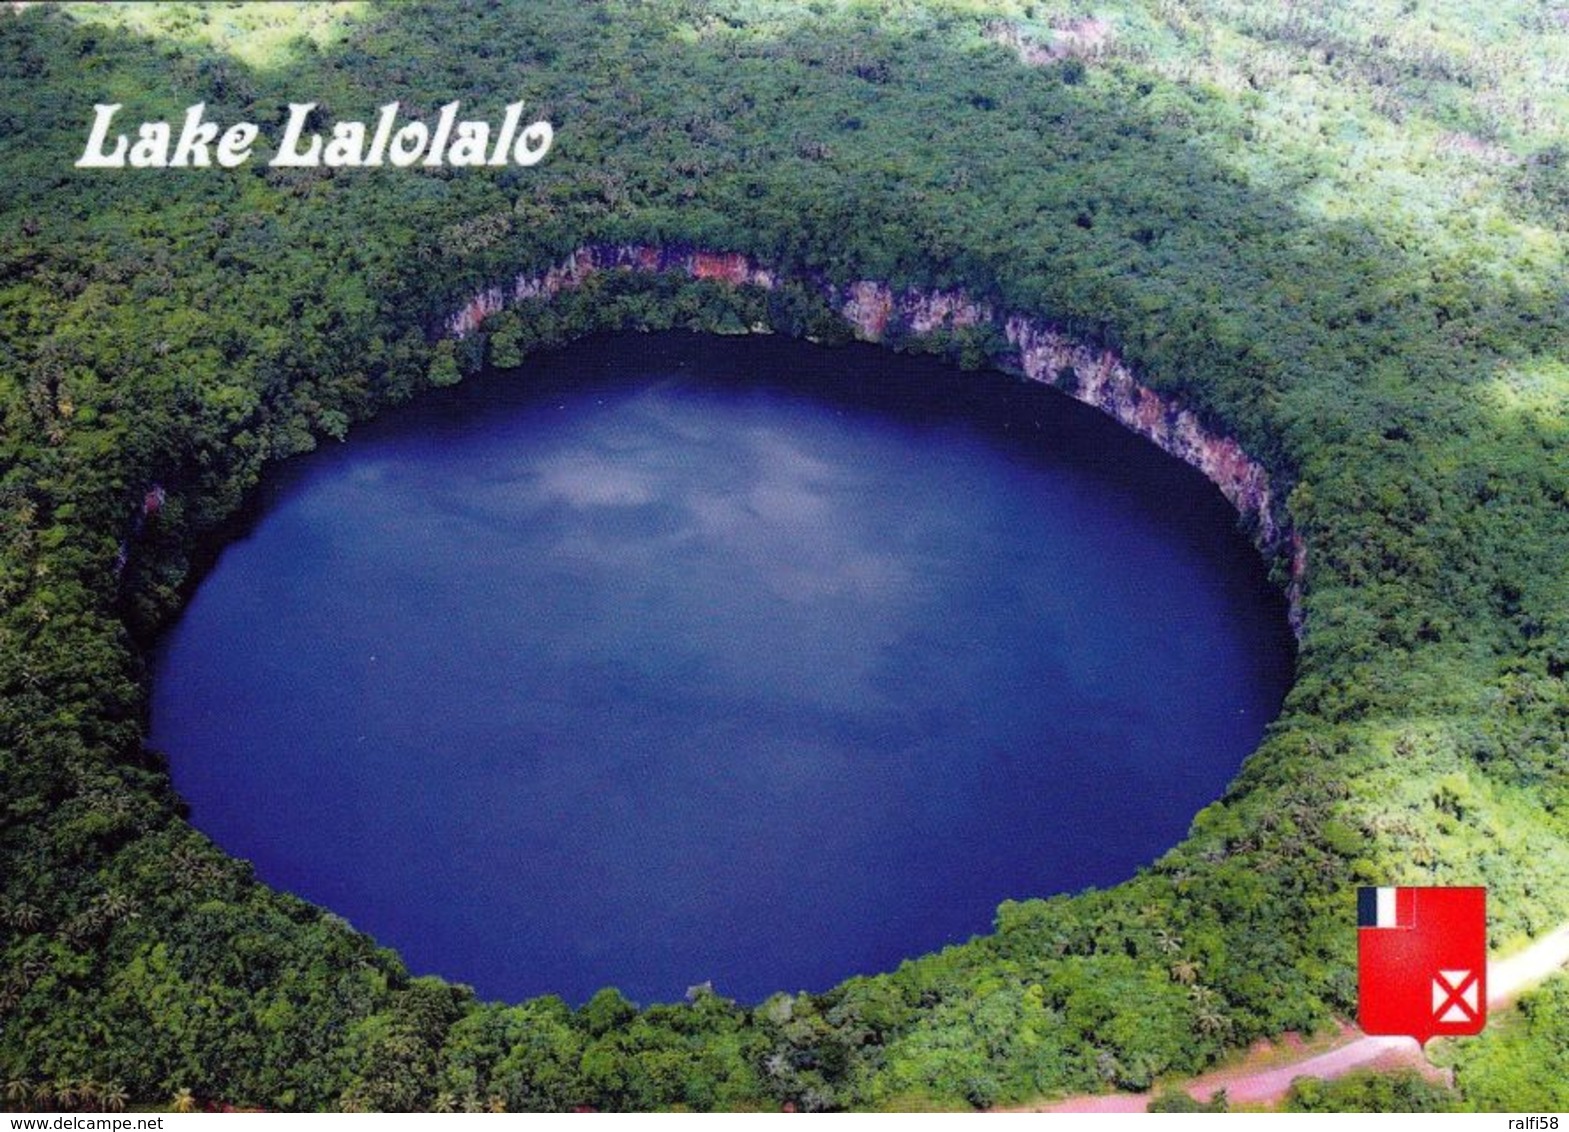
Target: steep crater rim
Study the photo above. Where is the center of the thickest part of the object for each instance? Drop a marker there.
(1036, 349)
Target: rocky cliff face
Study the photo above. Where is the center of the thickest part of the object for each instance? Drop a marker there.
(726, 267)
(1036, 349)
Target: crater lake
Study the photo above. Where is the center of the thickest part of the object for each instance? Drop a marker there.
(670, 659)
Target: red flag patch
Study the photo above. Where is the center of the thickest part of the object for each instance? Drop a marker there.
(1422, 961)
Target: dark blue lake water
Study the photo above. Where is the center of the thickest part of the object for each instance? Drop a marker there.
(672, 659)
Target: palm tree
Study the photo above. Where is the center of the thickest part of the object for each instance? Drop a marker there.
(23, 915)
(1207, 1010)
(183, 1101)
(114, 1097)
(1185, 971)
(1212, 1021)
(17, 1090)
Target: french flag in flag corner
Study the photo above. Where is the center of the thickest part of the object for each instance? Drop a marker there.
(1386, 907)
(1422, 961)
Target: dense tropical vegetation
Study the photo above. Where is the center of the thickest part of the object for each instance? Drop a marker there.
(1335, 230)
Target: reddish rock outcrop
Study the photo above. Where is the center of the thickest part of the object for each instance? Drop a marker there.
(731, 268)
(1094, 375)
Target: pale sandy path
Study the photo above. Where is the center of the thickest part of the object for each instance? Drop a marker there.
(1507, 979)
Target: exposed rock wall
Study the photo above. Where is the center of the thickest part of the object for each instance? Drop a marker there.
(726, 267)
(1095, 376)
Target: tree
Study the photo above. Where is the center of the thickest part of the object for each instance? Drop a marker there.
(444, 365)
(606, 1011)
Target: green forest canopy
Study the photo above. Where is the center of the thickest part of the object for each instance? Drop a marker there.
(1336, 231)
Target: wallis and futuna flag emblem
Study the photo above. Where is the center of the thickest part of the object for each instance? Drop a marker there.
(1422, 961)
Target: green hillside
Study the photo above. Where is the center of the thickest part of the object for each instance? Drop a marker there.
(1336, 232)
